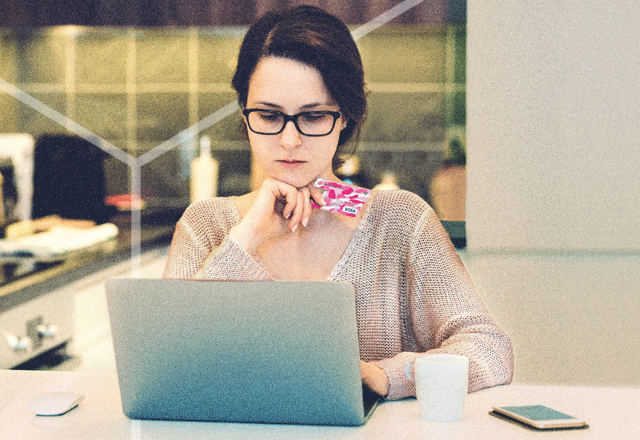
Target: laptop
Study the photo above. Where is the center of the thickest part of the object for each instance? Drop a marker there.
(230, 351)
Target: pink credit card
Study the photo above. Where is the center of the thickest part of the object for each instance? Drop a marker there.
(340, 197)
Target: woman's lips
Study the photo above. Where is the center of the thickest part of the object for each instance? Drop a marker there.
(290, 162)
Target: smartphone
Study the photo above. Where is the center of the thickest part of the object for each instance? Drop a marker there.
(539, 417)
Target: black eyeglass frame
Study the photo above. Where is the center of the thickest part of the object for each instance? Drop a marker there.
(293, 118)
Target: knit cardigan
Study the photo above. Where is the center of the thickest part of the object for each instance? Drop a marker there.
(413, 294)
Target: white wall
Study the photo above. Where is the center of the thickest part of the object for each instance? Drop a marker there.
(553, 183)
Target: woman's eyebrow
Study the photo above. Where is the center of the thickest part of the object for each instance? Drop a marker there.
(304, 107)
(318, 104)
(268, 104)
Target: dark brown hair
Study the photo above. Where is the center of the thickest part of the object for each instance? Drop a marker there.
(312, 36)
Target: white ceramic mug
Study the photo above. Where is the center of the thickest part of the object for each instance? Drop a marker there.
(442, 382)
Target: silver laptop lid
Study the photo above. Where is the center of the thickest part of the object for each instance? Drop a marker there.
(265, 352)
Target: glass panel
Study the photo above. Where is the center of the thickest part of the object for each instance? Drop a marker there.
(101, 57)
(162, 56)
(217, 54)
(140, 87)
(230, 128)
(160, 116)
(400, 54)
(37, 124)
(405, 117)
(42, 56)
(105, 114)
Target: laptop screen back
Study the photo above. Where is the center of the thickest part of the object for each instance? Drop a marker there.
(263, 352)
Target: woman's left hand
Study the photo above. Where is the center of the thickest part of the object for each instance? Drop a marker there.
(375, 378)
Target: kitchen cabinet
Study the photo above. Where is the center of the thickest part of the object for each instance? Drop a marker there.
(206, 12)
(36, 308)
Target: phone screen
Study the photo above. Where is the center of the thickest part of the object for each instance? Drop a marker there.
(537, 412)
(539, 416)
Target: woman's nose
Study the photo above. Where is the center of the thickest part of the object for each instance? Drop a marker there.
(290, 136)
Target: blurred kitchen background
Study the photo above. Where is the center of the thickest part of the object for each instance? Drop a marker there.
(137, 86)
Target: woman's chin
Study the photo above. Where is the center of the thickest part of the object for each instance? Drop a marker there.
(300, 180)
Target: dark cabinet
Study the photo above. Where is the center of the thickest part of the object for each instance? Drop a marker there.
(37, 13)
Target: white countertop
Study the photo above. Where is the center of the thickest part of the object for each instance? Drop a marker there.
(612, 413)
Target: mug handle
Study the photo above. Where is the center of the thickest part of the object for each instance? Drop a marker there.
(407, 370)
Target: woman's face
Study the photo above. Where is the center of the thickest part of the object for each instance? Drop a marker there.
(292, 87)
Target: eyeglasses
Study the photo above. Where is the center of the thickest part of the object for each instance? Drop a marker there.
(317, 123)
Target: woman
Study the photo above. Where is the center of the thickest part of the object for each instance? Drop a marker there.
(301, 86)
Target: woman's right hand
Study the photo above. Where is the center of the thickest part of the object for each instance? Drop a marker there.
(277, 209)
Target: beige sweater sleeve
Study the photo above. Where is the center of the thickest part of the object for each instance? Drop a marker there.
(446, 314)
(201, 248)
